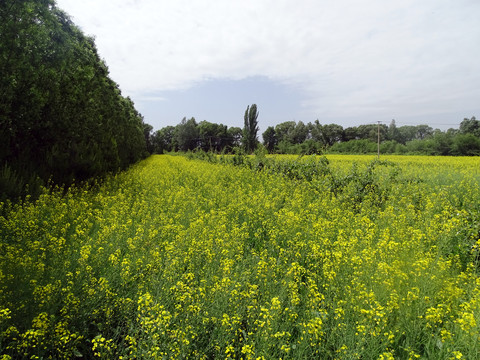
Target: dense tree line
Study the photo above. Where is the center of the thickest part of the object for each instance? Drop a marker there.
(61, 116)
(190, 135)
(292, 137)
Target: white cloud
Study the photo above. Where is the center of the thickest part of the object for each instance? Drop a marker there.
(368, 58)
(150, 98)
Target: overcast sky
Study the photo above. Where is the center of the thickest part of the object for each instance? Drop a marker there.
(347, 62)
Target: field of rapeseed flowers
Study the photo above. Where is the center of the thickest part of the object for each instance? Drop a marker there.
(183, 259)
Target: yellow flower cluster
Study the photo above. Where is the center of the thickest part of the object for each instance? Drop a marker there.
(182, 259)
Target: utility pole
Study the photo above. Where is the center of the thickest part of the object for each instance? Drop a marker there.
(378, 139)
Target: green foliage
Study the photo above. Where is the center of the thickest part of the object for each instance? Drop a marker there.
(373, 184)
(327, 134)
(186, 134)
(470, 126)
(284, 131)
(363, 146)
(270, 139)
(308, 147)
(420, 147)
(147, 133)
(367, 132)
(466, 144)
(61, 116)
(250, 128)
(14, 186)
(163, 140)
(352, 187)
(442, 143)
(235, 133)
(292, 137)
(392, 147)
(239, 157)
(189, 135)
(214, 137)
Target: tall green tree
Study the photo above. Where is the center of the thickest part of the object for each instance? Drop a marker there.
(235, 135)
(466, 145)
(285, 131)
(392, 132)
(213, 137)
(423, 131)
(250, 129)
(470, 126)
(301, 132)
(163, 140)
(187, 135)
(406, 133)
(61, 116)
(331, 134)
(270, 139)
(148, 134)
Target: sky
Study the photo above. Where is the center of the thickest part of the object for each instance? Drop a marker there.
(346, 62)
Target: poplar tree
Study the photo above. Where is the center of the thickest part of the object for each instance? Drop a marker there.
(62, 117)
(250, 128)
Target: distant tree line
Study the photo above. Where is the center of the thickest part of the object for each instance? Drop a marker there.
(61, 116)
(293, 137)
(190, 135)
(314, 138)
